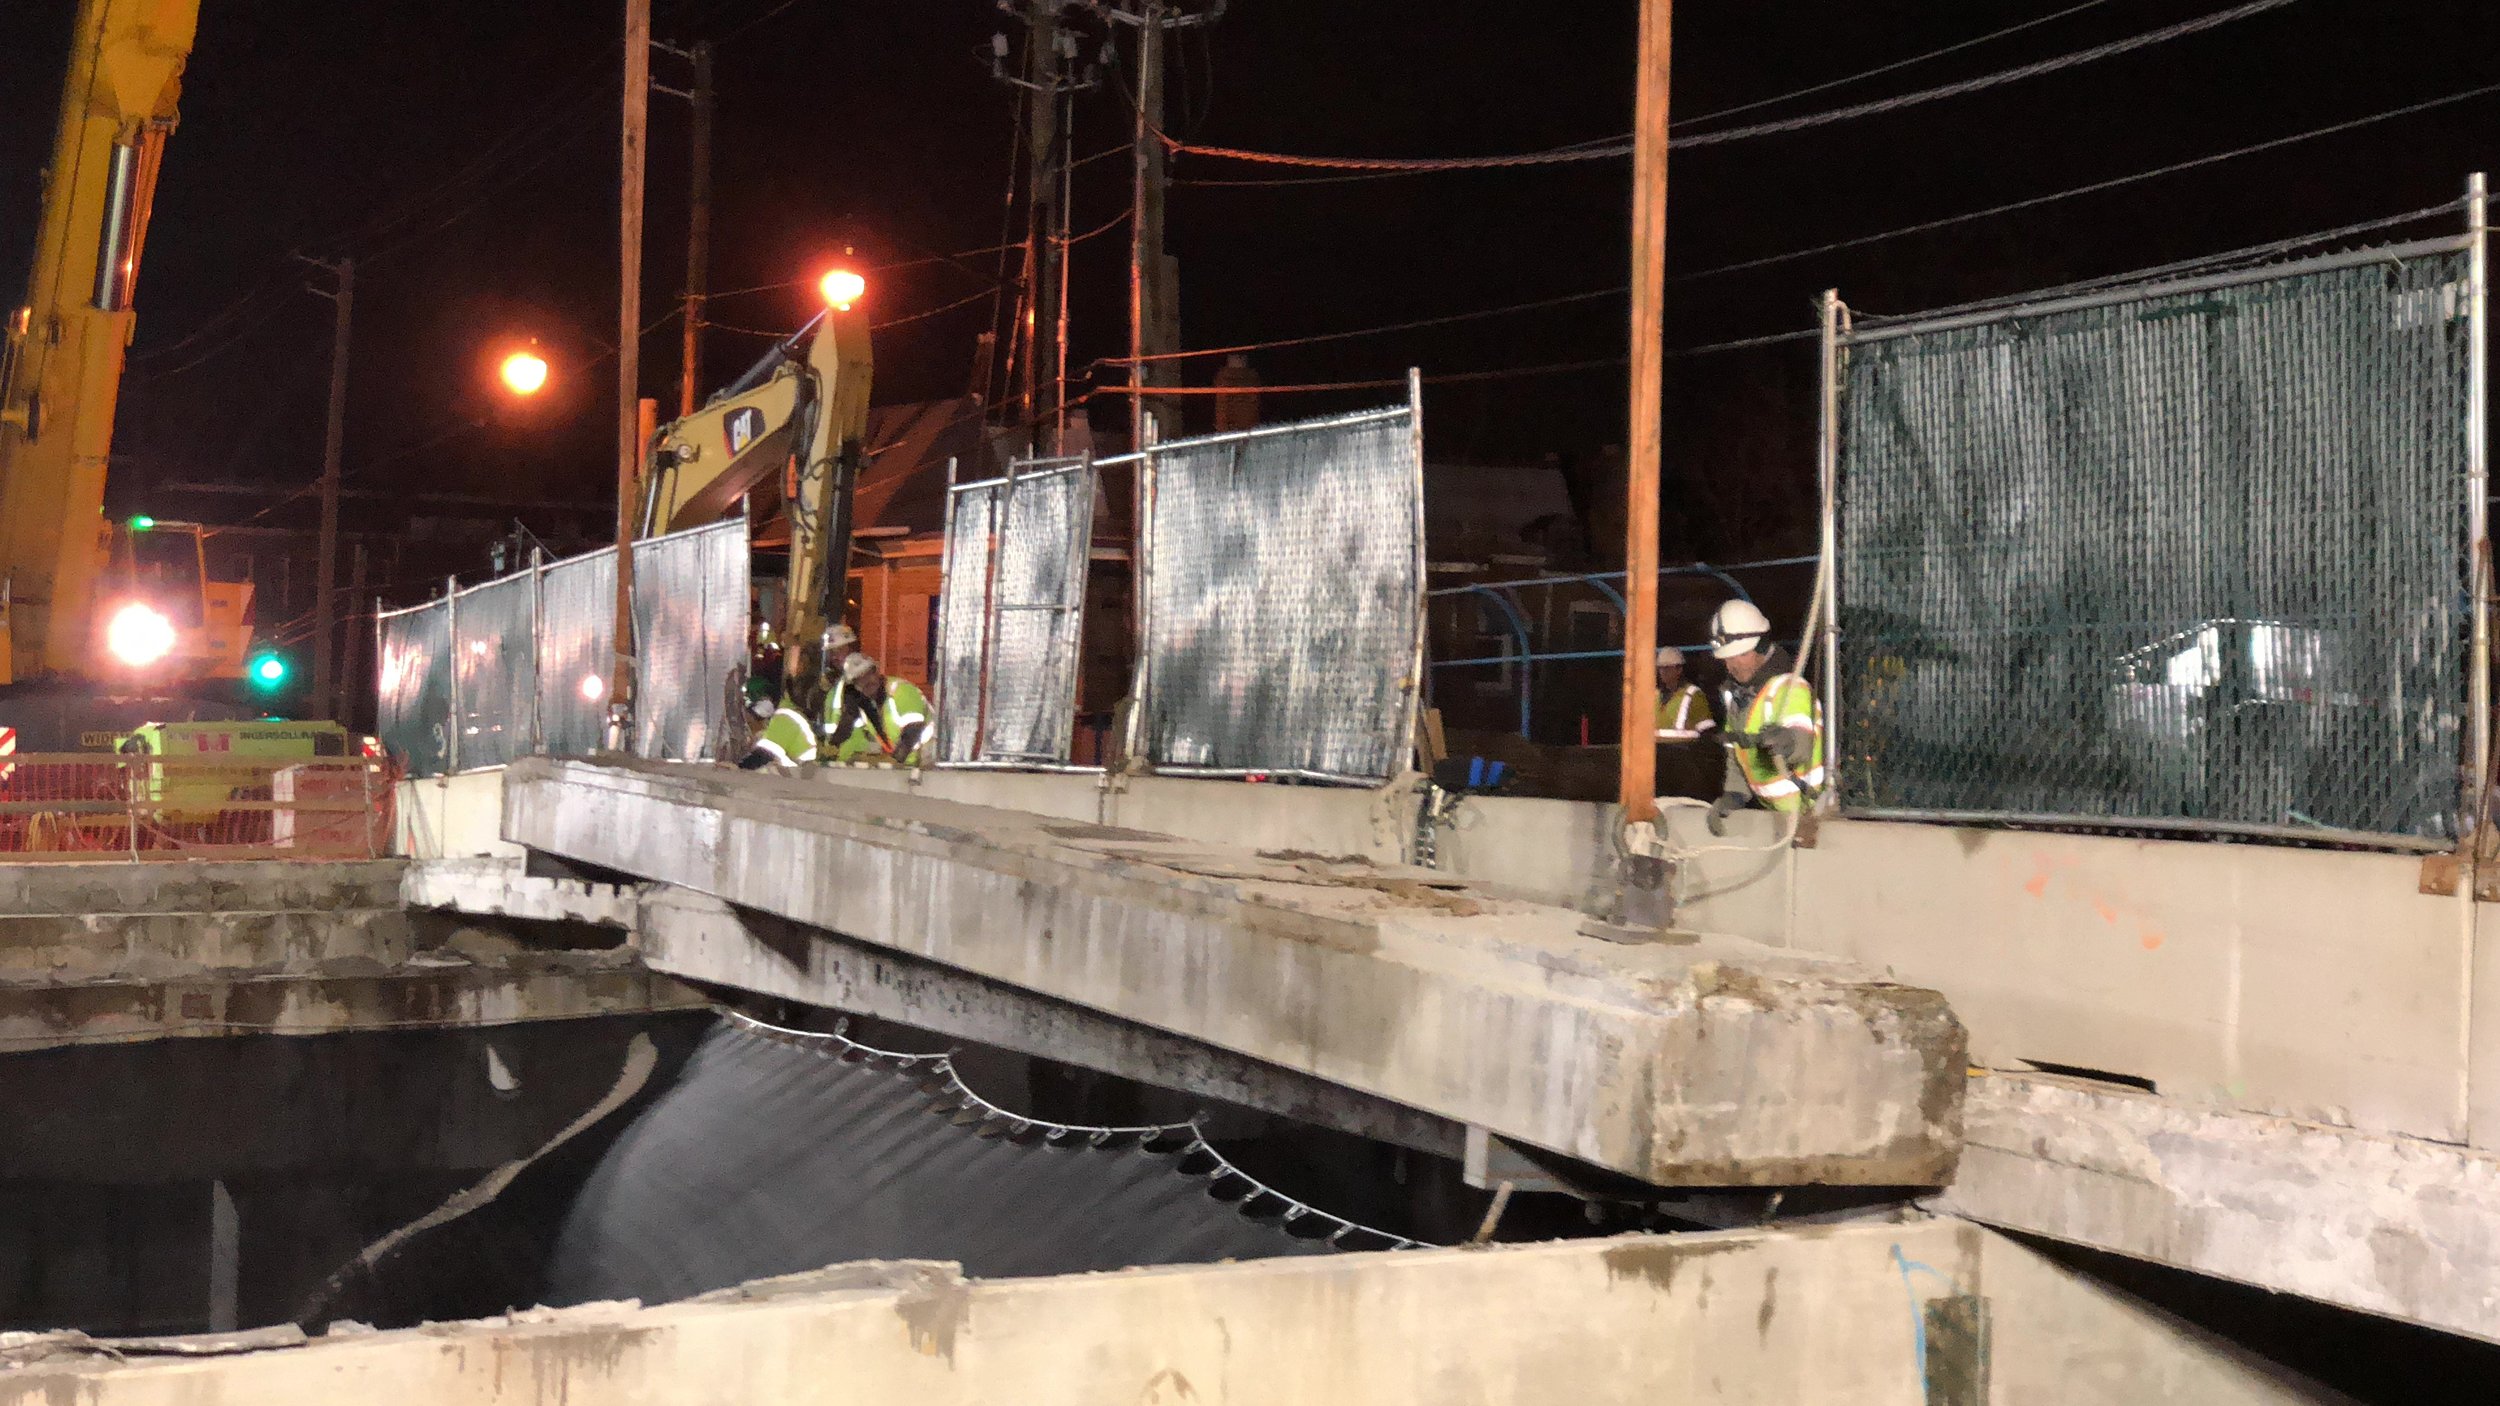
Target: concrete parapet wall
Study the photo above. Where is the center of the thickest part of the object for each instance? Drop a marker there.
(1775, 1318)
(2388, 1225)
(1712, 1063)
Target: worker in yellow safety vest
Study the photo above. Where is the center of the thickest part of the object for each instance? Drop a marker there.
(893, 717)
(1775, 726)
(1688, 761)
(789, 737)
(1683, 709)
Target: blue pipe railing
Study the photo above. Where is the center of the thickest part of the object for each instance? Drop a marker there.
(1501, 593)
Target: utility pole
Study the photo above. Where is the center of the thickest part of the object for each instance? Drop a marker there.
(1145, 226)
(1153, 277)
(343, 703)
(1639, 791)
(629, 400)
(1042, 250)
(698, 221)
(325, 572)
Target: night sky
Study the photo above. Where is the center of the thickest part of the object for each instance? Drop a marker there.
(465, 152)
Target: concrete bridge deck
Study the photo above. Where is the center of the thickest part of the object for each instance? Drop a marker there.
(116, 951)
(1699, 1061)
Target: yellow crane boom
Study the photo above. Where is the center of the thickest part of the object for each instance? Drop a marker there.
(60, 372)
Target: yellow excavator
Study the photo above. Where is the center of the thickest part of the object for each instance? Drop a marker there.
(103, 625)
(793, 429)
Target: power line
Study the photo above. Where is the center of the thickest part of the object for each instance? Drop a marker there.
(1898, 64)
(1420, 322)
(789, 283)
(1921, 227)
(931, 312)
(1609, 148)
(2095, 187)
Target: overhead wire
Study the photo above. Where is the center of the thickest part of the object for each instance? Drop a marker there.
(1879, 236)
(1895, 66)
(1612, 147)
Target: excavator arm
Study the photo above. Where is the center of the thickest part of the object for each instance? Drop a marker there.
(804, 419)
(60, 370)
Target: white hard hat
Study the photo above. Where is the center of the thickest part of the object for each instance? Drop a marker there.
(841, 636)
(1736, 629)
(857, 667)
(1669, 654)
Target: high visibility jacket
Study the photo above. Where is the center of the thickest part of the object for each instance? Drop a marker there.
(788, 737)
(1684, 715)
(1784, 700)
(878, 731)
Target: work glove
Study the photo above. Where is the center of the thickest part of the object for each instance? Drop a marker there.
(1792, 745)
(1726, 805)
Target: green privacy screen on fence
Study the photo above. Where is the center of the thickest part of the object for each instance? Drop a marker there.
(2188, 558)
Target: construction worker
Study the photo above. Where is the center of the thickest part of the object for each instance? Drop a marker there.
(834, 720)
(1774, 725)
(789, 739)
(893, 717)
(1688, 761)
(1683, 709)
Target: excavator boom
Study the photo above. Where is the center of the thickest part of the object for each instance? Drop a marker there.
(803, 420)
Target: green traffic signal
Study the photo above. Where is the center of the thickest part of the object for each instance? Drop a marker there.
(268, 671)
(143, 523)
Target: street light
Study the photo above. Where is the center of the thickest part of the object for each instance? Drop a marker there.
(524, 373)
(842, 288)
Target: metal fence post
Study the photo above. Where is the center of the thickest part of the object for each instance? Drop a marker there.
(1827, 575)
(1406, 746)
(1141, 580)
(938, 652)
(451, 648)
(538, 633)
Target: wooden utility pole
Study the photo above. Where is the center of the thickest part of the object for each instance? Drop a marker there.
(1043, 251)
(629, 402)
(343, 703)
(1639, 791)
(1145, 226)
(326, 570)
(698, 232)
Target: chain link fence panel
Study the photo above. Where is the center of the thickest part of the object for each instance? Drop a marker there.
(576, 652)
(690, 620)
(2192, 557)
(413, 701)
(1011, 613)
(1284, 579)
(521, 664)
(494, 628)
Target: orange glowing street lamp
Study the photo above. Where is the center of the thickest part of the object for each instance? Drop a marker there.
(524, 373)
(842, 288)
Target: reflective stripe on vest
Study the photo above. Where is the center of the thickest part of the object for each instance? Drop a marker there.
(1676, 715)
(1785, 701)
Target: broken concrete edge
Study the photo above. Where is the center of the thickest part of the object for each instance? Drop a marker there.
(498, 886)
(538, 987)
(1856, 1105)
(1838, 1313)
(121, 886)
(2387, 1225)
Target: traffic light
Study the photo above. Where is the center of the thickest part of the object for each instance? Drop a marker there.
(268, 671)
(143, 523)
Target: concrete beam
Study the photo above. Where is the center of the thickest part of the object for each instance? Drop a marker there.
(1702, 1062)
(700, 938)
(2387, 1225)
(1875, 1316)
(429, 991)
